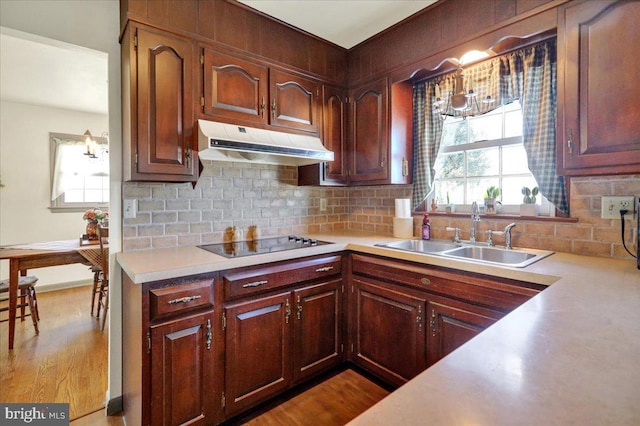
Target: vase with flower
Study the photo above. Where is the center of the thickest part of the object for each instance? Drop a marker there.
(93, 217)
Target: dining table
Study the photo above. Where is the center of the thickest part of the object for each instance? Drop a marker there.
(23, 257)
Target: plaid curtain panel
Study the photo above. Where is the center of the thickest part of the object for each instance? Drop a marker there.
(529, 75)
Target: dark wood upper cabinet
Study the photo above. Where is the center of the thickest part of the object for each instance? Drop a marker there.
(369, 138)
(158, 118)
(294, 101)
(334, 137)
(598, 92)
(246, 92)
(235, 88)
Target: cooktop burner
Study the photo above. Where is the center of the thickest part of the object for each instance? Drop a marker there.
(266, 245)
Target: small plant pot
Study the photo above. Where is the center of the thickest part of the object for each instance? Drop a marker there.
(528, 210)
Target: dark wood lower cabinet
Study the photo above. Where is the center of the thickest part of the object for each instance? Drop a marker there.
(389, 335)
(318, 329)
(200, 354)
(277, 340)
(181, 373)
(451, 324)
(257, 361)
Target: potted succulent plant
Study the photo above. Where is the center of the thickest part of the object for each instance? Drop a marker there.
(529, 206)
(491, 203)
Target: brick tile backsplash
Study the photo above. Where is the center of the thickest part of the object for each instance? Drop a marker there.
(243, 195)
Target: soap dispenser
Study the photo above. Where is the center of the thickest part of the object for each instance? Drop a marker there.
(426, 227)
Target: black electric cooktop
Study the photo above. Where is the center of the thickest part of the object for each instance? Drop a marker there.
(265, 245)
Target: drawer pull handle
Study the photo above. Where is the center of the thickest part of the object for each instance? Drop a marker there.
(209, 335)
(184, 299)
(425, 281)
(254, 284)
(324, 269)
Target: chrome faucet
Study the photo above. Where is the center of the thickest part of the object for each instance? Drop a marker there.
(475, 217)
(507, 235)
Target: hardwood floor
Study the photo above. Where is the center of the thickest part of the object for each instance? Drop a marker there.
(66, 362)
(333, 402)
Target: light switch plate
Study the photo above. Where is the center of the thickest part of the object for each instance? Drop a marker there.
(129, 208)
(323, 204)
(611, 207)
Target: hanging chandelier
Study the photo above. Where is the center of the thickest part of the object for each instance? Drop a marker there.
(459, 102)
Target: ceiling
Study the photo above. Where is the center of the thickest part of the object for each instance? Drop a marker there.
(342, 22)
(40, 71)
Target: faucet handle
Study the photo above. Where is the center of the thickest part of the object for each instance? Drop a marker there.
(490, 234)
(456, 236)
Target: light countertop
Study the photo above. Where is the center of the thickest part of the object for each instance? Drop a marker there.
(570, 355)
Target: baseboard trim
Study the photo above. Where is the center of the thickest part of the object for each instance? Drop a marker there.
(114, 406)
(62, 286)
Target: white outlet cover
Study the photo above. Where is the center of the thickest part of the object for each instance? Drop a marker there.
(611, 207)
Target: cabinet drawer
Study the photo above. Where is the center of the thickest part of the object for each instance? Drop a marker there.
(249, 281)
(181, 298)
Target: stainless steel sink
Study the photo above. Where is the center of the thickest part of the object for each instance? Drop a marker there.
(518, 258)
(515, 257)
(421, 246)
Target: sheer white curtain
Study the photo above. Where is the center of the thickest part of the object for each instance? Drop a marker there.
(71, 165)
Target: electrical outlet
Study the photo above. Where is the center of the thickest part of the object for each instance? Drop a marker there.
(323, 204)
(611, 207)
(129, 208)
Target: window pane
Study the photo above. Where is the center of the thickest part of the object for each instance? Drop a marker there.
(74, 196)
(455, 189)
(486, 127)
(513, 124)
(93, 182)
(512, 187)
(514, 160)
(454, 132)
(476, 189)
(93, 196)
(450, 165)
(483, 162)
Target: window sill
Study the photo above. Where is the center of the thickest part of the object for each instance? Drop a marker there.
(505, 217)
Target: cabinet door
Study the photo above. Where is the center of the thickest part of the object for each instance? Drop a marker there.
(317, 328)
(598, 92)
(164, 141)
(389, 331)
(258, 347)
(182, 365)
(334, 135)
(369, 143)
(451, 325)
(235, 89)
(294, 101)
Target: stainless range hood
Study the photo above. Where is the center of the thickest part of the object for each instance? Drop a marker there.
(228, 142)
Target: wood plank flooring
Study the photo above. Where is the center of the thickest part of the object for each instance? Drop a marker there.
(333, 402)
(66, 362)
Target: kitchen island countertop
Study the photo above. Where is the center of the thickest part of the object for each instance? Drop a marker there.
(570, 355)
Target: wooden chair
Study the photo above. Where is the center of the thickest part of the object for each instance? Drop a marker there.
(26, 298)
(96, 286)
(103, 290)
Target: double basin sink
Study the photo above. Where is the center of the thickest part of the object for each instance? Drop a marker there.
(475, 252)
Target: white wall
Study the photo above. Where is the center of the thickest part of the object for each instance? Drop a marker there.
(94, 24)
(26, 174)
